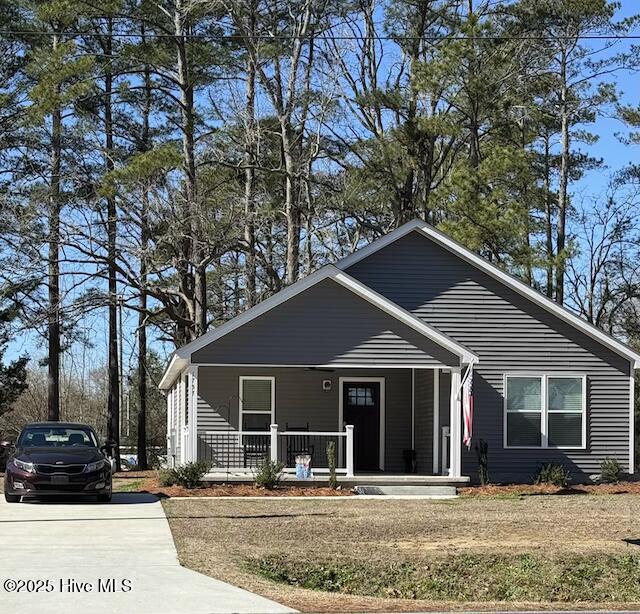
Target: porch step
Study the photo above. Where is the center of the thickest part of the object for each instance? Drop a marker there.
(439, 492)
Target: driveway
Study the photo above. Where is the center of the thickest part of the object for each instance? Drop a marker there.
(76, 557)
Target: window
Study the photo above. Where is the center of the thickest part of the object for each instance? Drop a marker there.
(545, 411)
(524, 411)
(257, 403)
(361, 396)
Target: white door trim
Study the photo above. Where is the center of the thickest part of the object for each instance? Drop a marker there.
(381, 381)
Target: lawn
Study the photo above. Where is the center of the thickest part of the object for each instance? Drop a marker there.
(574, 552)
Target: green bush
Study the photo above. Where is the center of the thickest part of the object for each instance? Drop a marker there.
(190, 475)
(166, 477)
(610, 470)
(553, 473)
(269, 474)
(331, 463)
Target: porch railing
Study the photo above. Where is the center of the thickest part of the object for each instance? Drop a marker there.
(242, 451)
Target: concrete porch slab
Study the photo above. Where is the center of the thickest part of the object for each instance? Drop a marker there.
(370, 479)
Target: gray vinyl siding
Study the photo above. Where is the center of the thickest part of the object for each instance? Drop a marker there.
(424, 420)
(326, 324)
(510, 334)
(300, 399)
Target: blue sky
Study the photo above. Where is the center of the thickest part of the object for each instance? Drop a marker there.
(616, 156)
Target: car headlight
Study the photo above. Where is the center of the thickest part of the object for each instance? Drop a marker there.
(28, 467)
(91, 467)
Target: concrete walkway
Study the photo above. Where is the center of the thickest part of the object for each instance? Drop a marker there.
(76, 557)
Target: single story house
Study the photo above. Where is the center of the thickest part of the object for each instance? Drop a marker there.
(370, 354)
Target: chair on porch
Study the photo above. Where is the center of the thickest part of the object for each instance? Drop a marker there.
(298, 444)
(255, 448)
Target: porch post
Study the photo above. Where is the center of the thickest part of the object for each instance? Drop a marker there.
(455, 422)
(274, 442)
(436, 421)
(192, 391)
(349, 460)
(171, 450)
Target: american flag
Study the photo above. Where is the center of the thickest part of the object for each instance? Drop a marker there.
(467, 407)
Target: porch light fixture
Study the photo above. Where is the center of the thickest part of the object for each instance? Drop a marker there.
(326, 385)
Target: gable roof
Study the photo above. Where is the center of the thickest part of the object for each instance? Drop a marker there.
(181, 357)
(492, 270)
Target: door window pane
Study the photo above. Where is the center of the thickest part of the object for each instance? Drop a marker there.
(361, 396)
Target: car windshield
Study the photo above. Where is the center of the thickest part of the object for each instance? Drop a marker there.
(58, 437)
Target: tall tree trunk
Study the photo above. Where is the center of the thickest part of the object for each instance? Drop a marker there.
(53, 324)
(564, 182)
(195, 278)
(142, 314)
(113, 402)
(292, 209)
(548, 217)
(250, 272)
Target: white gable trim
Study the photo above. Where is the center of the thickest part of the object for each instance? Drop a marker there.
(492, 270)
(182, 356)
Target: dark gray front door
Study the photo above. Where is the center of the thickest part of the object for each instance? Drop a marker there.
(361, 407)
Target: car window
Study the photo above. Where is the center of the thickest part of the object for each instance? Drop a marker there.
(39, 437)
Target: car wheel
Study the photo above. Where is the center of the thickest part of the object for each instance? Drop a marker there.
(104, 498)
(11, 498)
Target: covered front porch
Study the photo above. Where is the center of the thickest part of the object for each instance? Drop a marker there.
(387, 425)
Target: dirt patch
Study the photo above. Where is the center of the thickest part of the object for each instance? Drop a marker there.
(497, 490)
(218, 537)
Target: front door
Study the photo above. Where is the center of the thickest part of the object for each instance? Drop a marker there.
(361, 407)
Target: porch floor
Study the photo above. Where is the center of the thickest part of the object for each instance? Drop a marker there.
(362, 479)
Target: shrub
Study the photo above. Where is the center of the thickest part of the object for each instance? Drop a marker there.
(331, 463)
(166, 477)
(190, 475)
(610, 470)
(269, 474)
(553, 473)
(482, 452)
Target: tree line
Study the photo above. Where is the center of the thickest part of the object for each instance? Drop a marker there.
(183, 159)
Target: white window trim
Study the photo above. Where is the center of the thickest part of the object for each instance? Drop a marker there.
(544, 413)
(242, 412)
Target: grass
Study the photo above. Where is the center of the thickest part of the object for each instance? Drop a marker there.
(126, 485)
(351, 555)
(596, 577)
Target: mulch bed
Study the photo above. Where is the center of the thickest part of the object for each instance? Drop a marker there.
(494, 490)
(151, 485)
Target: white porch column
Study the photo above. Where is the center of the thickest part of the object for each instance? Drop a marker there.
(455, 422)
(171, 450)
(274, 442)
(349, 466)
(436, 421)
(180, 391)
(192, 391)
